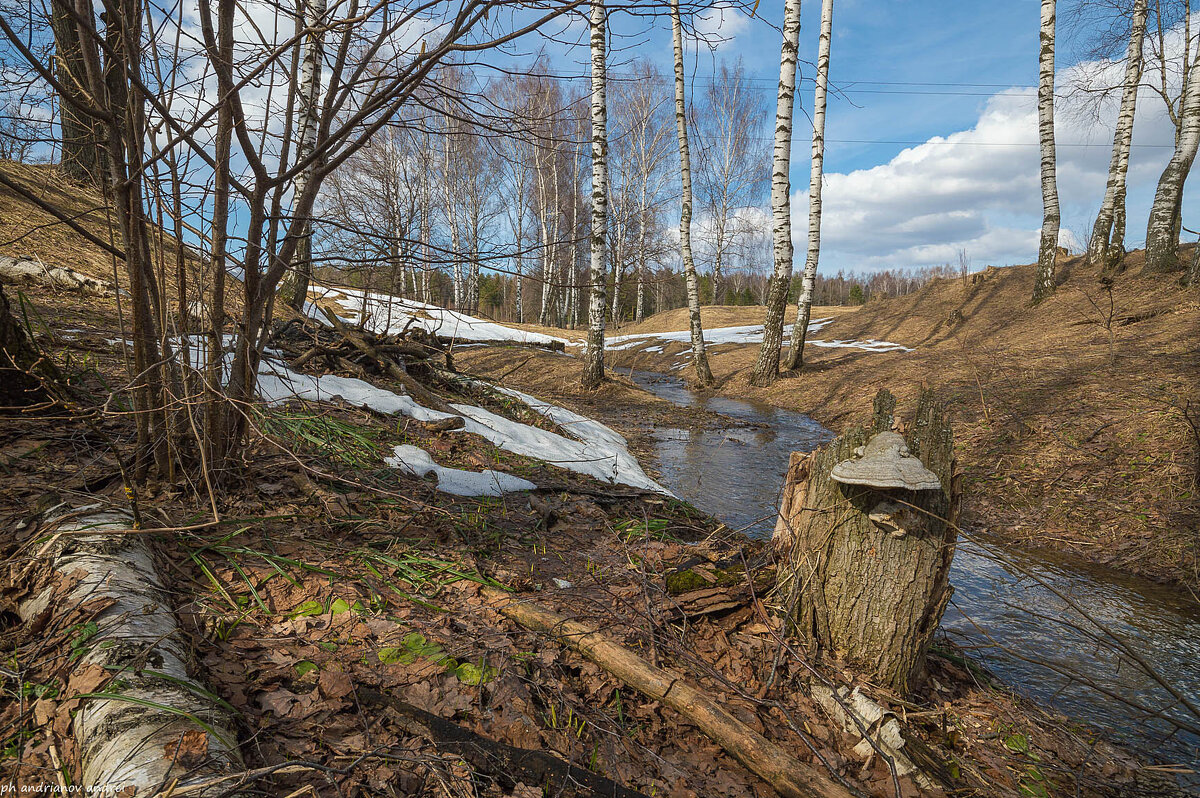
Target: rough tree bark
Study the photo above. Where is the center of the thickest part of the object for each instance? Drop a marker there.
(1106, 248)
(22, 369)
(704, 377)
(1162, 230)
(865, 573)
(766, 369)
(593, 368)
(1048, 248)
(795, 356)
(79, 132)
(295, 285)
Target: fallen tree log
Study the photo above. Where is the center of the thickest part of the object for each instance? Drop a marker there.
(146, 722)
(23, 271)
(790, 777)
(506, 762)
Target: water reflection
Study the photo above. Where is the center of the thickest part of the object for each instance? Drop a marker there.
(1002, 614)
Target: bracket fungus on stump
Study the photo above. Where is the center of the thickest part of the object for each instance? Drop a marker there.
(866, 535)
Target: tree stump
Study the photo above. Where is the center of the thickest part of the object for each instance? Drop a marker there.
(864, 573)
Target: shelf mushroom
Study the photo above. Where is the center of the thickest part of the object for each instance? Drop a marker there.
(886, 463)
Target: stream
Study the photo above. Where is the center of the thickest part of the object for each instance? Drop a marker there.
(1016, 626)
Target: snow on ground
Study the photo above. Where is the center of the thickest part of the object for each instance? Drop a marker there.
(455, 481)
(579, 427)
(389, 314)
(749, 334)
(596, 450)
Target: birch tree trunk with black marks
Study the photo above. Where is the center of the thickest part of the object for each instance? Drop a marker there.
(704, 377)
(795, 356)
(1048, 248)
(295, 286)
(767, 367)
(1162, 229)
(1107, 245)
(593, 369)
(865, 571)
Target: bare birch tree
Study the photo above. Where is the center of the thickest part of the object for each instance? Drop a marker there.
(1107, 245)
(294, 287)
(795, 356)
(704, 377)
(1044, 280)
(766, 369)
(731, 172)
(593, 369)
(1162, 229)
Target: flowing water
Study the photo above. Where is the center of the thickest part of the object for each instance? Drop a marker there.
(1016, 612)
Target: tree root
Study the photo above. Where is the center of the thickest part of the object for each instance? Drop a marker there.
(790, 777)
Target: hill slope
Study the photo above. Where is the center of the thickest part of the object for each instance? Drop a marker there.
(1076, 419)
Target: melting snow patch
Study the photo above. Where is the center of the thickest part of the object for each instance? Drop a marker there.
(455, 481)
(599, 451)
(389, 314)
(748, 334)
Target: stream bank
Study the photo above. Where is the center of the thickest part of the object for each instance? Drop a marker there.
(1030, 617)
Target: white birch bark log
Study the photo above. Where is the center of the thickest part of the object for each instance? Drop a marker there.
(704, 375)
(593, 369)
(1107, 245)
(1044, 278)
(126, 732)
(1162, 231)
(766, 369)
(795, 357)
(296, 286)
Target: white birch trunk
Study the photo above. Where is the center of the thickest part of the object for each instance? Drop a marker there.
(593, 369)
(618, 259)
(795, 357)
(639, 312)
(295, 288)
(1044, 279)
(127, 730)
(1107, 245)
(704, 376)
(767, 367)
(1162, 231)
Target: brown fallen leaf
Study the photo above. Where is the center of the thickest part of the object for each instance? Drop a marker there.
(335, 684)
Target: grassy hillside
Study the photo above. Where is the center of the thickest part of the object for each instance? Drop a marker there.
(1076, 419)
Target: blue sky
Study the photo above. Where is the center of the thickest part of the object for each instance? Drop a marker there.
(946, 90)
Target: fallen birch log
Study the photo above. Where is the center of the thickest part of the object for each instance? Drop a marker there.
(790, 777)
(148, 723)
(23, 271)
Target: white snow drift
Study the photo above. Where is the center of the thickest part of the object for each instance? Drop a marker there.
(593, 449)
(416, 461)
